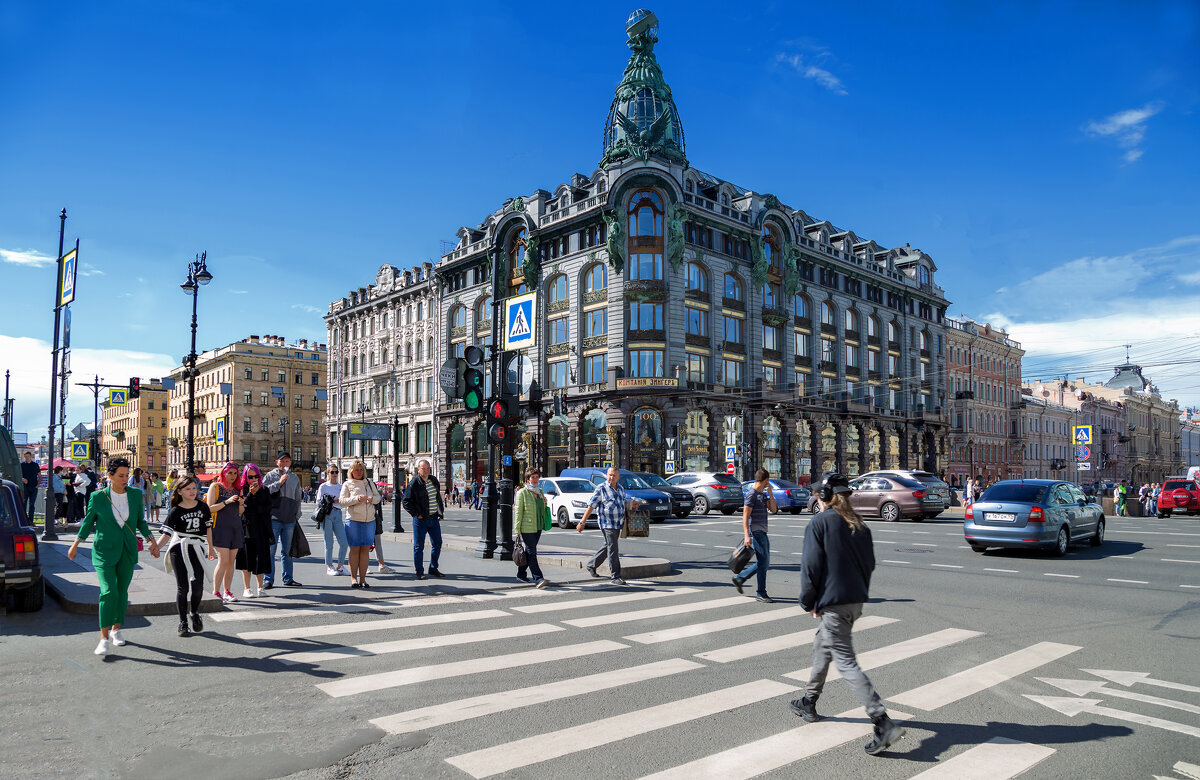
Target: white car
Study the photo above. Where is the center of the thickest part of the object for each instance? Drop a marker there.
(568, 497)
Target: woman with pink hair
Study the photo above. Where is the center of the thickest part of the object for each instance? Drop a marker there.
(255, 556)
(225, 501)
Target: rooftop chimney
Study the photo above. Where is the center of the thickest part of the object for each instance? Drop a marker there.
(254, 339)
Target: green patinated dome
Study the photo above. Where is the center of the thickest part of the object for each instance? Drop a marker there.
(643, 120)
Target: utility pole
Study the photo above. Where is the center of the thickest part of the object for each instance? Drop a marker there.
(48, 534)
(8, 404)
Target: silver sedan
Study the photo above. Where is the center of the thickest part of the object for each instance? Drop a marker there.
(1033, 513)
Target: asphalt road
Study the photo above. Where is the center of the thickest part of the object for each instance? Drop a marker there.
(592, 680)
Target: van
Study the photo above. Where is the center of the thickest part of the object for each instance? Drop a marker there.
(658, 503)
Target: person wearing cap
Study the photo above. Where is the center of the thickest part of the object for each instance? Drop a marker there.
(835, 577)
(284, 488)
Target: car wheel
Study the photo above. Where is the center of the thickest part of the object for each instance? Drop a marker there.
(1062, 542)
(795, 510)
(681, 515)
(564, 517)
(812, 508)
(701, 505)
(890, 512)
(919, 519)
(30, 599)
(979, 548)
(727, 511)
(1098, 539)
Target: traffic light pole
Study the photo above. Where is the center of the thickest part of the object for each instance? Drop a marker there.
(487, 533)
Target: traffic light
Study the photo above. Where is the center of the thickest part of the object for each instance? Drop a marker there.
(472, 379)
(135, 387)
(498, 414)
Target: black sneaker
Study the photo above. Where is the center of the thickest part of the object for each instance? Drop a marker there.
(806, 708)
(355, 586)
(293, 584)
(436, 573)
(268, 585)
(523, 579)
(183, 628)
(197, 623)
(737, 583)
(887, 733)
(419, 576)
(764, 598)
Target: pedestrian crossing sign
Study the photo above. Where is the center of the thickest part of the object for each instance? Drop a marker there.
(1081, 434)
(80, 450)
(221, 431)
(669, 468)
(519, 332)
(117, 397)
(730, 452)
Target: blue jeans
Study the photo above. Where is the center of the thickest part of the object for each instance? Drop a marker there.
(422, 526)
(762, 559)
(335, 528)
(283, 533)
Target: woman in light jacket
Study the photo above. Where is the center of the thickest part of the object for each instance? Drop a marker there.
(527, 524)
(357, 498)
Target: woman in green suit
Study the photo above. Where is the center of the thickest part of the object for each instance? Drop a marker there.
(527, 523)
(116, 514)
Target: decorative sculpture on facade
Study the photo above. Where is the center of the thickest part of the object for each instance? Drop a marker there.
(675, 219)
(616, 258)
(758, 272)
(530, 265)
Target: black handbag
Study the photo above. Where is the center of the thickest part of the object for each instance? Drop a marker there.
(739, 558)
(520, 554)
(300, 548)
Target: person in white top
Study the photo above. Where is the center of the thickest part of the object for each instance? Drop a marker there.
(333, 525)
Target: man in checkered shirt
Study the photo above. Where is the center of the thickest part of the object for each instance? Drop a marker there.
(610, 502)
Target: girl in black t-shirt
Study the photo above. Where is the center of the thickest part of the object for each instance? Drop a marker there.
(188, 526)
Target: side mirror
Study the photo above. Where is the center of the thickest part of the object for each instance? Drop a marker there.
(1082, 502)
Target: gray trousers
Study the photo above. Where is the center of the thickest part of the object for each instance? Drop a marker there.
(612, 536)
(832, 643)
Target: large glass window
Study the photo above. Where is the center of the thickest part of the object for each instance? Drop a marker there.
(595, 322)
(851, 320)
(770, 295)
(483, 310)
(596, 278)
(733, 373)
(458, 318)
(828, 347)
(557, 373)
(645, 266)
(802, 345)
(645, 214)
(827, 314)
(595, 369)
(802, 307)
(733, 330)
(645, 316)
(645, 236)
(873, 326)
(771, 247)
(733, 288)
(851, 356)
(893, 332)
(645, 362)
(697, 368)
(697, 321)
(771, 338)
(516, 258)
(558, 289)
(697, 278)
(559, 327)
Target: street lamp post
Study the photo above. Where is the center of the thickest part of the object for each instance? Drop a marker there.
(198, 276)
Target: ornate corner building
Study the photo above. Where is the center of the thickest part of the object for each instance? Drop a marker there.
(677, 310)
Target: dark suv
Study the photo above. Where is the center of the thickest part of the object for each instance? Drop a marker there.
(22, 567)
(681, 500)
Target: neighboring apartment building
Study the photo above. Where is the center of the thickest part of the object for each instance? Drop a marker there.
(138, 430)
(272, 395)
(983, 383)
(1189, 444)
(1107, 418)
(1046, 429)
(383, 362)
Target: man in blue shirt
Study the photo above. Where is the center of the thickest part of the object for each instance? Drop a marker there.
(610, 502)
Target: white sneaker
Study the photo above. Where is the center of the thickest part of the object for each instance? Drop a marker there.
(247, 594)
(332, 572)
(384, 569)
(115, 636)
(102, 648)
(341, 570)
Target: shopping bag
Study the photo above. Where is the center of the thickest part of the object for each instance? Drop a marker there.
(300, 548)
(547, 520)
(637, 523)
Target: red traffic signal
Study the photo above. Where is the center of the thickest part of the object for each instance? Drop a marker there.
(135, 387)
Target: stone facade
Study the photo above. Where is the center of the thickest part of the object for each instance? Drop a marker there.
(383, 361)
(984, 387)
(138, 430)
(1046, 427)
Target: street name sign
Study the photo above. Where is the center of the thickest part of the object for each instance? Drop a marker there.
(449, 376)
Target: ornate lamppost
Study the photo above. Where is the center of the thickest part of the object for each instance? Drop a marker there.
(198, 276)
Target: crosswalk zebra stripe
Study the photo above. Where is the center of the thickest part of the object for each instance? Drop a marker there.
(543, 747)
(375, 682)
(900, 651)
(489, 704)
(777, 750)
(699, 629)
(645, 614)
(958, 686)
(785, 642)
(341, 652)
(308, 632)
(997, 759)
(600, 601)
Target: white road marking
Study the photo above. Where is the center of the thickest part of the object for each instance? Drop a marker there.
(923, 544)
(979, 678)
(923, 532)
(341, 652)
(1092, 687)
(1177, 560)
(1072, 707)
(1131, 582)
(1006, 571)
(375, 682)
(1183, 545)
(785, 642)
(946, 565)
(489, 704)
(1129, 678)
(307, 632)
(700, 629)
(1069, 576)
(901, 651)
(885, 560)
(1189, 586)
(516, 754)
(601, 601)
(693, 544)
(997, 759)
(645, 614)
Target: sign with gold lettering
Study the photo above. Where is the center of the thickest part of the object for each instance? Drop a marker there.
(648, 381)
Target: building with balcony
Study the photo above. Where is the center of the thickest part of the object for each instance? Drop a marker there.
(383, 360)
(271, 395)
(1046, 426)
(983, 385)
(677, 309)
(137, 430)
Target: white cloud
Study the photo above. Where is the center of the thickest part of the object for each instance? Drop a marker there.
(304, 307)
(87, 269)
(27, 257)
(813, 72)
(1192, 278)
(238, 292)
(1127, 127)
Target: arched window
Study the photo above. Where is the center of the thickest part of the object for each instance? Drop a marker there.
(924, 273)
(873, 326)
(697, 278)
(733, 288)
(458, 318)
(893, 332)
(558, 289)
(802, 307)
(772, 246)
(430, 350)
(925, 340)
(420, 311)
(420, 352)
(595, 278)
(827, 314)
(645, 214)
(645, 236)
(851, 319)
(687, 186)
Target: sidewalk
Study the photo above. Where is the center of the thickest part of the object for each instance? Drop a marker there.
(73, 583)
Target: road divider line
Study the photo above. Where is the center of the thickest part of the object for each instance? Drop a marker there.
(308, 632)
(1189, 586)
(1068, 576)
(1006, 571)
(712, 627)
(646, 614)
(1177, 560)
(901, 651)
(885, 560)
(946, 565)
(526, 752)
(489, 704)
(601, 601)
(418, 674)
(997, 759)
(341, 652)
(785, 642)
(1131, 582)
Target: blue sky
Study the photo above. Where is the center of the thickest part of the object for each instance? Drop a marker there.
(1045, 154)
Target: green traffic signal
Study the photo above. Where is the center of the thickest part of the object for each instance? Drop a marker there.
(473, 399)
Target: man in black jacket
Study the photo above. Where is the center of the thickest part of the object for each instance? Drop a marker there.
(423, 500)
(31, 474)
(835, 577)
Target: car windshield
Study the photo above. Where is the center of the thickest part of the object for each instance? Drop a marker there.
(654, 479)
(1015, 492)
(574, 486)
(630, 482)
(726, 479)
(1177, 485)
(783, 483)
(905, 482)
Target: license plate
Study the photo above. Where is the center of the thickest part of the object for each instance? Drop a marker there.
(1002, 517)
(1180, 509)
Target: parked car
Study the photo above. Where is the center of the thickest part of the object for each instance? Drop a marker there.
(1179, 496)
(936, 488)
(1033, 513)
(890, 498)
(789, 496)
(681, 499)
(711, 490)
(22, 564)
(567, 498)
(658, 503)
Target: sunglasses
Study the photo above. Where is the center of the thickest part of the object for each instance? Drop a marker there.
(252, 479)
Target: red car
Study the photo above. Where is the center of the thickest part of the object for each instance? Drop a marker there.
(1179, 496)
